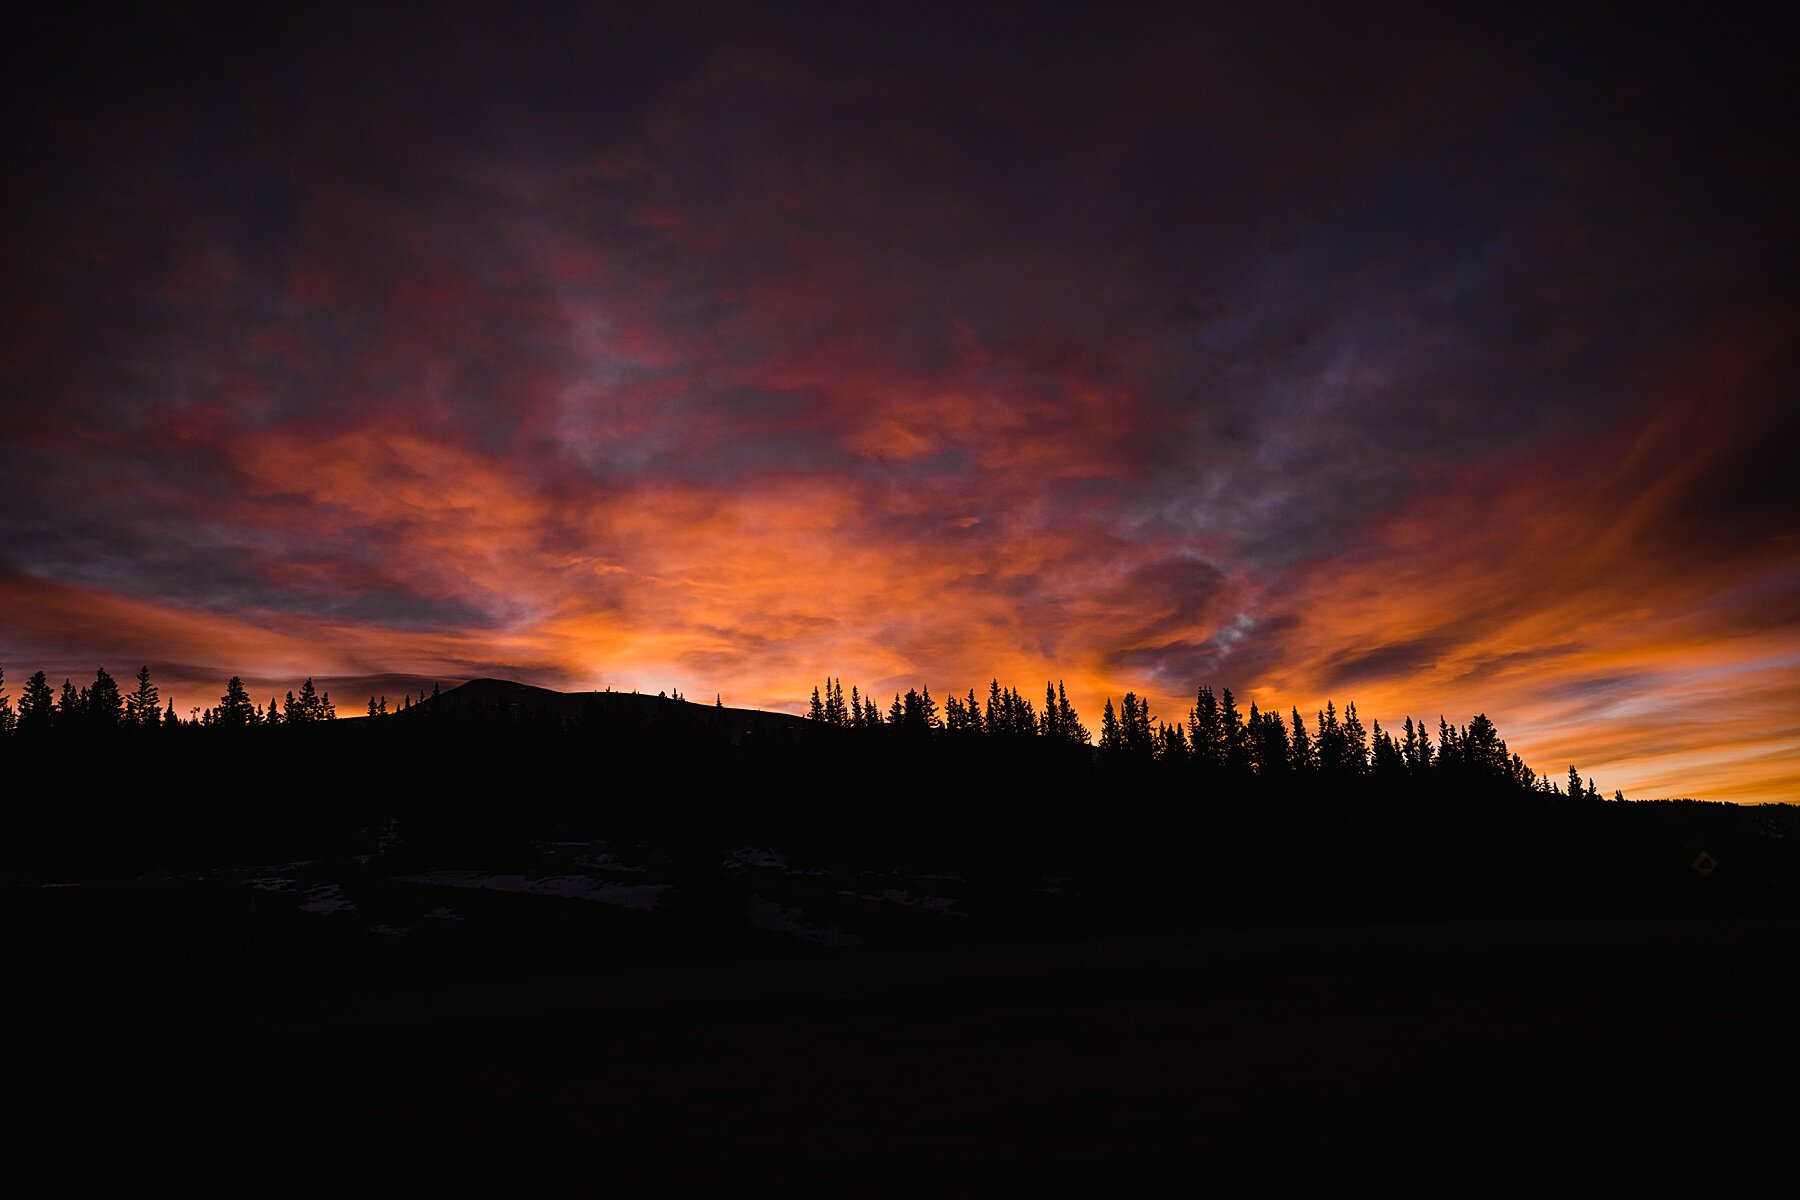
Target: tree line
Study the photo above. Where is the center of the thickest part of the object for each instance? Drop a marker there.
(103, 707)
(1217, 738)
(1233, 805)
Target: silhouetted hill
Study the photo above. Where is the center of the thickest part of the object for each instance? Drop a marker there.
(506, 696)
(1232, 811)
(992, 935)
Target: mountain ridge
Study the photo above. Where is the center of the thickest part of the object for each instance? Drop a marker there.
(510, 695)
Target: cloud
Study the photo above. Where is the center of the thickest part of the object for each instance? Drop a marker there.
(1432, 367)
(1582, 594)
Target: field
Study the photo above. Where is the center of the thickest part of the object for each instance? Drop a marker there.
(621, 1005)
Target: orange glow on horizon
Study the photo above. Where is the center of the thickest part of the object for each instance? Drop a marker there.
(1531, 590)
(1378, 362)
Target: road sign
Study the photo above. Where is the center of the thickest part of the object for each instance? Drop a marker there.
(1706, 864)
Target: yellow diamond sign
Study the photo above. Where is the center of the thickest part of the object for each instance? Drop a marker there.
(1705, 864)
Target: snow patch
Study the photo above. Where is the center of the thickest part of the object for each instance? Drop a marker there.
(756, 856)
(606, 862)
(327, 898)
(322, 898)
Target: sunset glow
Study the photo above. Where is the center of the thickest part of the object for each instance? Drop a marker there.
(720, 357)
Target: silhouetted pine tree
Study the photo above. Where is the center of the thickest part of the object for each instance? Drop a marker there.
(1386, 761)
(1206, 732)
(1269, 750)
(1134, 726)
(1009, 712)
(1109, 729)
(37, 705)
(144, 706)
(1328, 741)
(8, 718)
(954, 721)
(1356, 741)
(309, 706)
(234, 711)
(1483, 751)
(105, 705)
(1022, 719)
(912, 715)
(71, 706)
(1449, 751)
(1304, 758)
(928, 709)
(1235, 744)
(1068, 722)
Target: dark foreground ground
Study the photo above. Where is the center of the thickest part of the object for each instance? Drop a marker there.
(602, 1009)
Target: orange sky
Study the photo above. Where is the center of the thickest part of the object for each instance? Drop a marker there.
(1555, 589)
(1441, 369)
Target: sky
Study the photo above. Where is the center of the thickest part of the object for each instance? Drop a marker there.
(1442, 364)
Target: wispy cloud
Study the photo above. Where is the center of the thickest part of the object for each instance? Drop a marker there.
(1325, 364)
